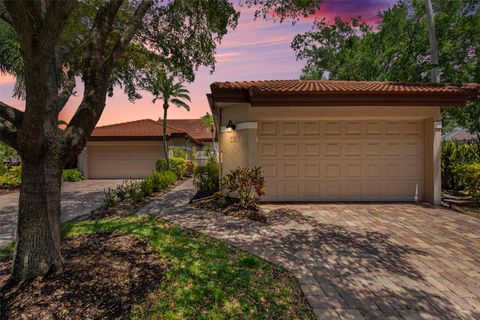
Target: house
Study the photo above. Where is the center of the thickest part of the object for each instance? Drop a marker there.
(194, 128)
(130, 149)
(337, 140)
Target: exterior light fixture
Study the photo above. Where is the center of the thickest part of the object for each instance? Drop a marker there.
(230, 126)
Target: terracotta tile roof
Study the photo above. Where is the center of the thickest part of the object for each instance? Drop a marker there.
(192, 126)
(343, 93)
(138, 128)
(329, 86)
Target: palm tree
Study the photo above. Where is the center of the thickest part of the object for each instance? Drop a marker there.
(165, 88)
(208, 123)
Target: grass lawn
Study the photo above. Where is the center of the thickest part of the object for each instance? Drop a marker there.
(203, 278)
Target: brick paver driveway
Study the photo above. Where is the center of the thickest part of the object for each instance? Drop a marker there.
(78, 198)
(358, 261)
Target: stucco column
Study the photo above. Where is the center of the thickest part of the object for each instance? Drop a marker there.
(433, 174)
(437, 163)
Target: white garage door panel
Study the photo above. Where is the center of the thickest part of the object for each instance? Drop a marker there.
(342, 160)
(109, 162)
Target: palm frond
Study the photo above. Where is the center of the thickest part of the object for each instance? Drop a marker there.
(179, 103)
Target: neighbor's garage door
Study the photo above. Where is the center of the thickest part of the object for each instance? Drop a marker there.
(342, 160)
(111, 162)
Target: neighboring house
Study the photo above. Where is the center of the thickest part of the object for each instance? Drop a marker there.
(461, 135)
(337, 140)
(195, 129)
(130, 149)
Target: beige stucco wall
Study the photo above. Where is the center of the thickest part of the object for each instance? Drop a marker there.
(238, 148)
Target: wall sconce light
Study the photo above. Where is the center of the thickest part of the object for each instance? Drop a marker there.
(230, 126)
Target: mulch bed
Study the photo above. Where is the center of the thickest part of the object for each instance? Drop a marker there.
(103, 276)
(230, 207)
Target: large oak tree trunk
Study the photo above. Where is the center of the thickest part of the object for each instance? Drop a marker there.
(38, 229)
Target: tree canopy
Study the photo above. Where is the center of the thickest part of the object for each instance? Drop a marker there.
(397, 49)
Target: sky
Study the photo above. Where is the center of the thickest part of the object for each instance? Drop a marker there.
(255, 50)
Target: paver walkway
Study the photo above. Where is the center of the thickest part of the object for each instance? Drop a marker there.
(78, 198)
(357, 261)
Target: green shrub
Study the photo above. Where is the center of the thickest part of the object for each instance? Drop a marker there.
(161, 165)
(249, 184)
(453, 154)
(121, 193)
(469, 177)
(72, 175)
(109, 198)
(12, 178)
(137, 190)
(206, 179)
(177, 165)
(146, 186)
(162, 179)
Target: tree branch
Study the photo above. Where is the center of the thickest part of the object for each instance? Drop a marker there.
(10, 120)
(67, 91)
(98, 76)
(128, 34)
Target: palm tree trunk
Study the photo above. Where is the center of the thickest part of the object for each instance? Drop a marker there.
(213, 141)
(165, 146)
(433, 42)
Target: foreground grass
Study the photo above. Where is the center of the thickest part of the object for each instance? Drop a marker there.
(207, 279)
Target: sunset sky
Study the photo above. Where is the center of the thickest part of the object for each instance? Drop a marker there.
(255, 50)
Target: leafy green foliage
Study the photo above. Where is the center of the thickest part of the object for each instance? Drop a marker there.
(8, 155)
(206, 179)
(177, 165)
(249, 184)
(205, 279)
(453, 154)
(177, 37)
(397, 49)
(469, 176)
(11, 178)
(72, 175)
(11, 61)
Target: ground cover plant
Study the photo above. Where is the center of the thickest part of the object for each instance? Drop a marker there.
(153, 270)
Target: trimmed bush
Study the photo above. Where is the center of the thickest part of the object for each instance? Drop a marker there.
(206, 179)
(469, 177)
(161, 165)
(72, 175)
(162, 179)
(177, 165)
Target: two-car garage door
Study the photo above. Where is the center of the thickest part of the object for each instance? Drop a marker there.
(123, 160)
(329, 160)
